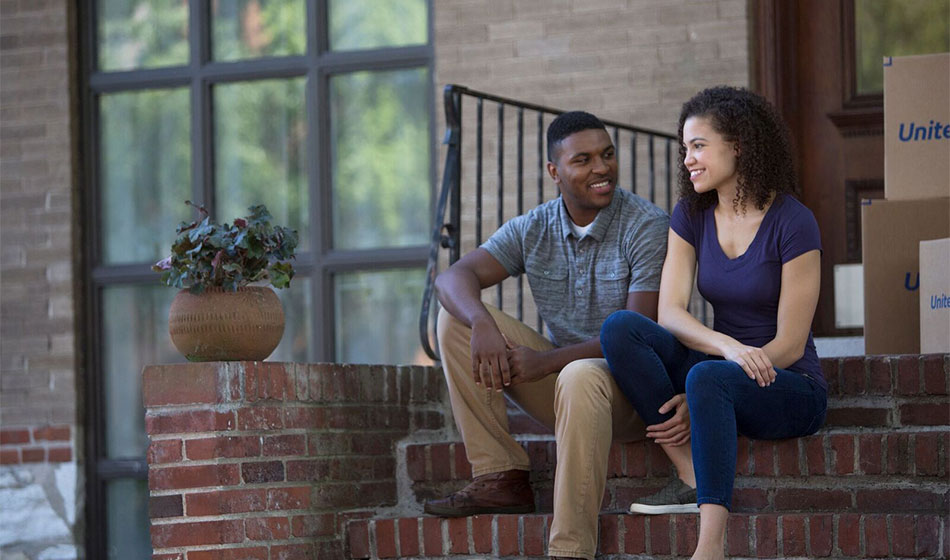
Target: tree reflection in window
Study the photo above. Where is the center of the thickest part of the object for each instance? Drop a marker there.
(896, 28)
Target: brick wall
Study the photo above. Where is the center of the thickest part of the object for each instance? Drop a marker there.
(51, 444)
(38, 380)
(36, 213)
(269, 460)
(633, 61)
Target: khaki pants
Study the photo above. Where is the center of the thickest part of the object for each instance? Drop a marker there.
(583, 406)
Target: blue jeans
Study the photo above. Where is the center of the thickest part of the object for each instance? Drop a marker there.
(651, 366)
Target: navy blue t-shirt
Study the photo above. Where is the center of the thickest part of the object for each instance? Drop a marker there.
(744, 291)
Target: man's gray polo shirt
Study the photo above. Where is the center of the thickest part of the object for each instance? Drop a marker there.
(577, 283)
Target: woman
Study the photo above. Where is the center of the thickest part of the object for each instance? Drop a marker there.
(757, 250)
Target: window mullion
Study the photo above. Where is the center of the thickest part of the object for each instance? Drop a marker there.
(318, 121)
(202, 151)
(321, 218)
(318, 30)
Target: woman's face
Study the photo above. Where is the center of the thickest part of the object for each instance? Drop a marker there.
(710, 159)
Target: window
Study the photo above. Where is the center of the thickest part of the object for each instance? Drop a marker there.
(320, 109)
(896, 28)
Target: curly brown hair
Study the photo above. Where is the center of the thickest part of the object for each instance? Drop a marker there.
(764, 164)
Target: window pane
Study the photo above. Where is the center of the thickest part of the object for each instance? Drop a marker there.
(256, 28)
(128, 524)
(298, 328)
(135, 34)
(367, 24)
(134, 334)
(146, 172)
(377, 314)
(379, 127)
(260, 151)
(896, 28)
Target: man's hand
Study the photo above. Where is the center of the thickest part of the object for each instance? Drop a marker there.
(489, 356)
(526, 364)
(674, 431)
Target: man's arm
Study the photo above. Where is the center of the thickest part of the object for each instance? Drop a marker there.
(459, 291)
(528, 365)
(644, 303)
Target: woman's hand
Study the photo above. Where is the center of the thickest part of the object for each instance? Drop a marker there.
(754, 361)
(674, 431)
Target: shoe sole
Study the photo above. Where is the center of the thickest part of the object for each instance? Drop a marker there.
(477, 511)
(667, 508)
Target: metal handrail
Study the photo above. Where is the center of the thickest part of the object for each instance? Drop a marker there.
(447, 234)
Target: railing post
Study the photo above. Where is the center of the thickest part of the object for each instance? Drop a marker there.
(451, 185)
(453, 123)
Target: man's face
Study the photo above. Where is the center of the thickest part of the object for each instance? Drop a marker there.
(585, 171)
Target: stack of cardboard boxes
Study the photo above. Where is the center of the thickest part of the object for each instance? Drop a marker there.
(906, 250)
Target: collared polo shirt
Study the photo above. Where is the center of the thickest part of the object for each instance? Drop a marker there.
(577, 283)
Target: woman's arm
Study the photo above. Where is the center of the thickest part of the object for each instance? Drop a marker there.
(801, 278)
(676, 286)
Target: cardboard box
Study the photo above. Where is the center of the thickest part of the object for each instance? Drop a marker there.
(935, 296)
(917, 127)
(891, 233)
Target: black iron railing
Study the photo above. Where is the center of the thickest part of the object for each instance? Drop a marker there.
(647, 172)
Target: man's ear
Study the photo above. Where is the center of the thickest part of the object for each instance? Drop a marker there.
(735, 148)
(552, 171)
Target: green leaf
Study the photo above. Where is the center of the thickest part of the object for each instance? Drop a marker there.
(251, 250)
(280, 274)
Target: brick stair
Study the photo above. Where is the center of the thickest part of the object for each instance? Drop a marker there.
(659, 537)
(871, 483)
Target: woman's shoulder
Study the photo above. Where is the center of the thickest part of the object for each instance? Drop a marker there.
(685, 213)
(688, 210)
(791, 212)
(795, 228)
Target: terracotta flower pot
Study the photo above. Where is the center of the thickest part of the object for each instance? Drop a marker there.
(220, 325)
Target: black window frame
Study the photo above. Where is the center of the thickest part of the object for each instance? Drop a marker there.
(320, 264)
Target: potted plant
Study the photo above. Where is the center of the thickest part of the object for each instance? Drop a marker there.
(224, 309)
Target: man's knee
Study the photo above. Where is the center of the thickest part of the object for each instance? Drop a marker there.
(585, 377)
(447, 321)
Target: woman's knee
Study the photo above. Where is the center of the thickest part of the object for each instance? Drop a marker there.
(620, 326)
(706, 377)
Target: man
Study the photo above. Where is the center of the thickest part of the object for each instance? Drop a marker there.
(592, 251)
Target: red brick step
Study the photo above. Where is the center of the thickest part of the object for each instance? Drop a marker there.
(860, 472)
(863, 391)
(661, 537)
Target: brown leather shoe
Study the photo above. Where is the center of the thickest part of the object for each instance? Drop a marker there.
(501, 492)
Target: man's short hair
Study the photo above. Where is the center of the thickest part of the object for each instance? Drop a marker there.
(568, 123)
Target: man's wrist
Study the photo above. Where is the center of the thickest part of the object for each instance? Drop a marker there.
(483, 320)
(553, 360)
